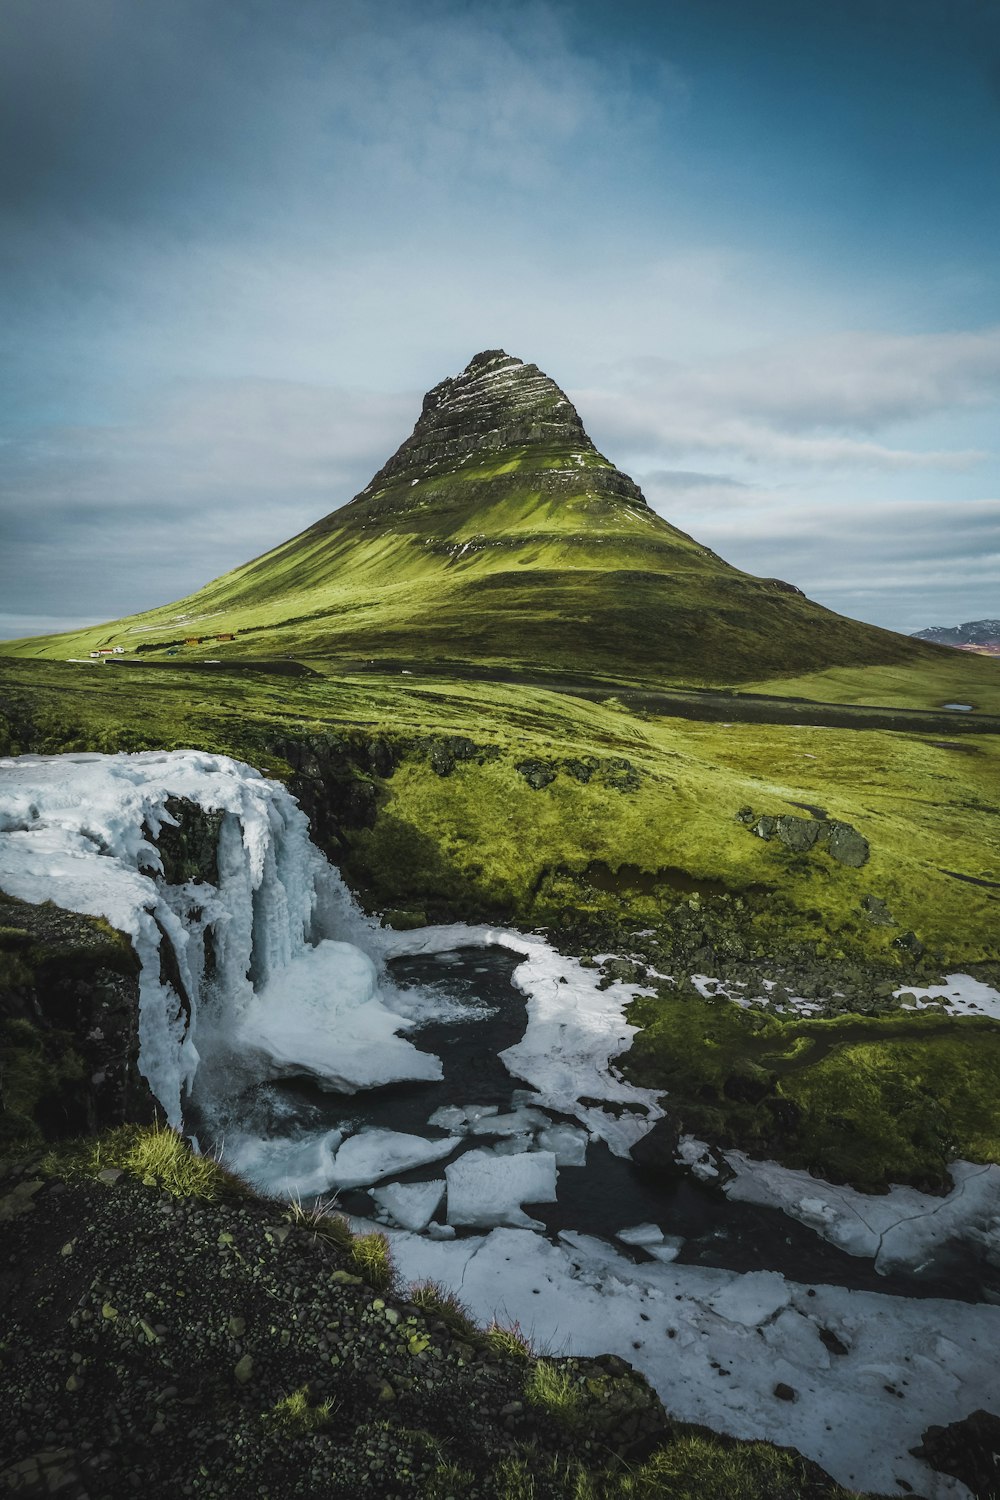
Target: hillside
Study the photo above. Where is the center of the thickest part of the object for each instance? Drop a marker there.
(498, 536)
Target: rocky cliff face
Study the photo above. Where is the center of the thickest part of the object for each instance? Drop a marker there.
(497, 405)
(69, 1025)
(496, 402)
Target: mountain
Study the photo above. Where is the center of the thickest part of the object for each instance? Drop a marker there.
(982, 636)
(498, 536)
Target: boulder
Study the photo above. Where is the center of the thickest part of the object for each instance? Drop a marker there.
(968, 1450)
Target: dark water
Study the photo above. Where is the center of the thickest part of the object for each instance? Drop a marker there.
(609, 1192)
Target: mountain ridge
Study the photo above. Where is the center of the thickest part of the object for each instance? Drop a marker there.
(972, 635)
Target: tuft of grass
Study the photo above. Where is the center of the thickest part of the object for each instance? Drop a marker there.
(319, 1220)
(526, 1478)
(155, 1154)
(433, 1298)
(510, 1339)
(373, 1259)
(696, 1467)
(296, 1414)
(449, 1481)
(555, 1391)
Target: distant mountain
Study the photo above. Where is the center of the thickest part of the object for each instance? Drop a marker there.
(981, 636)
(497, 535)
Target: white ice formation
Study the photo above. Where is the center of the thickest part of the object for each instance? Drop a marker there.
(267, 986)
(280, 975)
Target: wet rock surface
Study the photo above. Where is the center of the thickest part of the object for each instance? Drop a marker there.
(189, 847)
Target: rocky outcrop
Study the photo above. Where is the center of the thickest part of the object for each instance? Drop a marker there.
(496, 402)
(799, 835)
(968, 1450)
(69, 1025)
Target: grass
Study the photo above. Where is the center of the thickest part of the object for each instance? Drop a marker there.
(320, 1221)
(691, 1466)
(295, 1414)
(865, 1100)
(510, 1339)
(154, 1154)
(482, 837)
(553, 1389)
(698, 1467)
(373, 1260)
(440, 1302)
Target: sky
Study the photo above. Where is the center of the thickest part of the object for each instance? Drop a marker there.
(756, 241)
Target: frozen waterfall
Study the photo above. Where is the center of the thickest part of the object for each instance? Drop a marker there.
(265, 975)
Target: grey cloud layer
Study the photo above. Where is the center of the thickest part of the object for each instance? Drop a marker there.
(114, 520)
(816, 402)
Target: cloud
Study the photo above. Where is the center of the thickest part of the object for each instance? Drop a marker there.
(689, 479)
(114, 519)
(898, 562)
(811, 403)
(864, 380)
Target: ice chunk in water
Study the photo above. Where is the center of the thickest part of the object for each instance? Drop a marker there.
(449, 1117)
(412, 1204)
(669, 1250)
(641, 1234)
(515, 1123)
(457, 1117)
(567, 1143)
(487, 1189)
(372, 1154)
(511, 1145)
(288, 1168)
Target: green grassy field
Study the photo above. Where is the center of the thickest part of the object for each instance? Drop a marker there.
(589, 840)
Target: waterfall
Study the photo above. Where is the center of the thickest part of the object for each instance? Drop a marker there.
(259, 967)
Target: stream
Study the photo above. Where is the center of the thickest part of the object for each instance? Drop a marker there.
(486, 1015)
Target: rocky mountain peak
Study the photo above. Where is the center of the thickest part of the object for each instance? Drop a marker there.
(497, 402)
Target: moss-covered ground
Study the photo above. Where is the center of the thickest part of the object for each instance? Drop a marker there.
(600, 822)
(868, 1100)
(546, 807)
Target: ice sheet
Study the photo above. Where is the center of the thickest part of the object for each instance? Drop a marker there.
(285, 1168)
(484, 1188)
(372, 1154)
(900, 1229)
(411, 1204)
(715, 1344)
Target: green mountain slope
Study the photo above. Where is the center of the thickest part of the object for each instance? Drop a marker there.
(498, 535)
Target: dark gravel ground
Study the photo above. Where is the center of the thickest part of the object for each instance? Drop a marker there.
(148, 1342)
